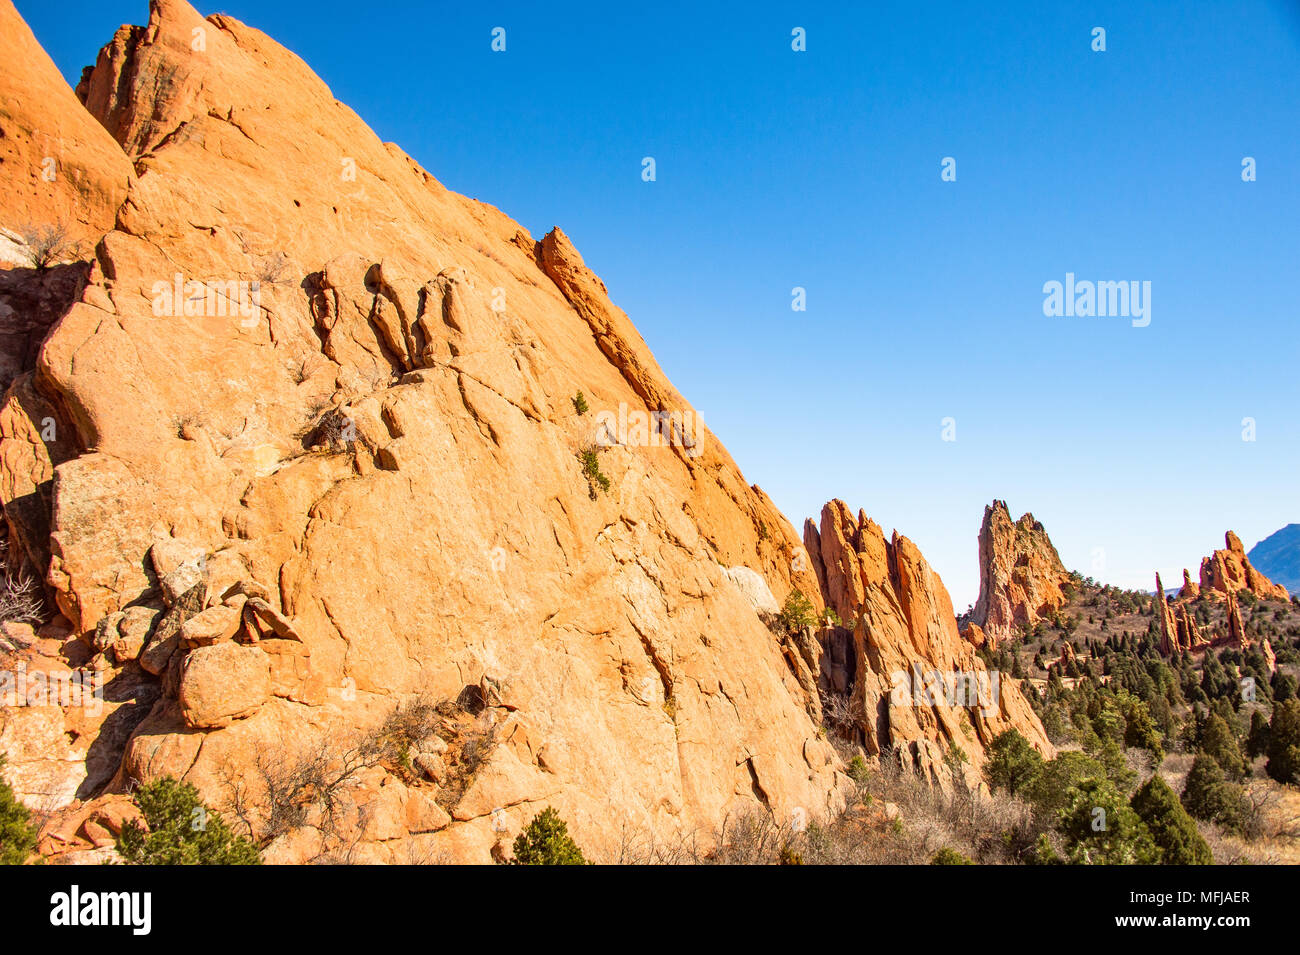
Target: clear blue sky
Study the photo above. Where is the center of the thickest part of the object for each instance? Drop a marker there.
(821, 169)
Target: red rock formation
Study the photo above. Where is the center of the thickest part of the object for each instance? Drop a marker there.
(1022, 579)
(277, 516)
(1229, 570)
(1169, 643)
(905, 634)
(1190, 590)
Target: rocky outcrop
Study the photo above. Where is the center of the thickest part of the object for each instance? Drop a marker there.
(918, 690)
(316, 455)
(1022, 579)
(1190, 589)
(60, 168)
(1229, 571)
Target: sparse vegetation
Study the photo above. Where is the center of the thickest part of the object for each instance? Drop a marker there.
(580, 403)
(589, 455)
(48, 245)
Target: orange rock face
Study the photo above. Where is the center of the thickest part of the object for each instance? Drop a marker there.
(1022, 579)
(59, 165)
(317, 453)
(908, 653)
(1229, 570)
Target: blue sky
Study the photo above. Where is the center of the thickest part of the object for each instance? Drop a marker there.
(821, 169)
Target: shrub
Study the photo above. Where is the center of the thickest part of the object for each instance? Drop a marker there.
(950, 856)
(17, 834)
(48, 245)
(546, 841)
(181, 830)
(1050, 791)
(580, 403)
(1171, 828)
(589, 456)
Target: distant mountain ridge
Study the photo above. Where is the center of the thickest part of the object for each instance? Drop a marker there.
(1278, 557)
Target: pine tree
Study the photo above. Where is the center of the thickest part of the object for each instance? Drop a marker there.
(1100, 828)
(181, 830)
(1208, 795)
(1013, 764)
(546, 841)
(1257, 739)
(1171, 828)
(1219, 740)
(17, 835)
(1284, 742)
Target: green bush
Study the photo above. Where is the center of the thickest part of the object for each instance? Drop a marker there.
(1013, 764)
(1208, 795)
(17, 835)
(546, 841)
(590, 459)
(1171, 828)
(950, 856)
(1050, 791)
(1218, 740)
(181, 830)
(580, 403)
(1100, 828)
(1284, 742)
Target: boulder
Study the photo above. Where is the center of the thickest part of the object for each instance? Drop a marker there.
(223, 683)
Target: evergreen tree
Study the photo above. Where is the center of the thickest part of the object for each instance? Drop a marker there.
(1100, 828)
(181, 830)
(17, 835)
(1284, 742)
(1257, 739)
(1219, 741)
(546, 841)
(1208, 795)
(1171, 828)
(1049, 792)
(1013, 764)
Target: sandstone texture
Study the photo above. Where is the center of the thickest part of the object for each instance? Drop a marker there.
(1022, 579)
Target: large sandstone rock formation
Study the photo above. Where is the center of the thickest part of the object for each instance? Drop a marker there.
(1229, 570)
(1022, 579)
(315, 452)
(906, 644)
